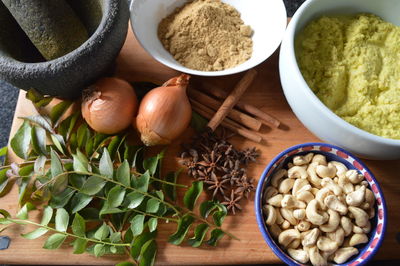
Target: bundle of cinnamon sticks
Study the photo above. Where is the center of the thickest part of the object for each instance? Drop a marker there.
(229, 111)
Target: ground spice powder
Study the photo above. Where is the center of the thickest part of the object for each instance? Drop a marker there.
(206, 35)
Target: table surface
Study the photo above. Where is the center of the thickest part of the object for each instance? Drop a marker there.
(135, 64)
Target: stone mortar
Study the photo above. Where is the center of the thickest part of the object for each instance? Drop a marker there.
(68, 75)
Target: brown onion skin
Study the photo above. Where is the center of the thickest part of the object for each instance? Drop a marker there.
(165, 112)
(109, 105)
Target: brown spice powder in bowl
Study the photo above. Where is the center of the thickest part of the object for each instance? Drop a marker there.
(206, 35)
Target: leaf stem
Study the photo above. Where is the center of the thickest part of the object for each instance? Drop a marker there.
(168, 183)
(20, 221)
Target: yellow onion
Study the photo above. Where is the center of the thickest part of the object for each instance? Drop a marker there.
(109, 105)
(164, 112)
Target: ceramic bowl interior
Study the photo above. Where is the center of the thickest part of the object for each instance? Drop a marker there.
(332, 153)
(267, 19)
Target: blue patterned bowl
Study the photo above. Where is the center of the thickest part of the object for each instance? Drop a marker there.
(332, 153)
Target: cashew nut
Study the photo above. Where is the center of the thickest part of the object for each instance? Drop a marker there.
(270, 192)
(275, 200)
(303, 226)
(314, 191)
(298, 184)
(287, 236)
(357, 239)
(354, 176)
(299, 255)
(305, 196)
(299, 214)
(343, 254)
(357, 229)
(369, 197)
(366, 229)
(347, 225)
(357, 197)
(288, 215)
(294, 244)
(345, 184)
(341, 169)
(322, 194)
(279, 218)
(312, 175)
(314, 215)
(371, 213)
(365, 206)
(320, 159)
(360, 216)
(285, 225)
(333, 222)
(337, 236)
(275, 230)
(270, 212)
(310, 237)
(277, 177)
(333, 203)
(291, 202)
(326, 244)
(297, 172)
(286, 185)
(326, 171)
(315, 257)
(330, 184)
(302, 160)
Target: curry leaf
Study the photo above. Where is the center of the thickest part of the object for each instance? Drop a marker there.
(207, 207)
(79, 201)
(102, 232)
(80, 245)
(47, 215)
(137, 224)
(219, 217)
(58, 141)
(3, 151)
(106, 166)
(21, 140)
(183, 227)
(62, 220)
(199, 234)
(139, 241)
(83, 134)
(152, 163)
(216, 235)
(114, 145)
(55, 166)
(152, 205)
(78, 225)
(23, 212)
(170, 190)
(148, 253)
(192, 194)
(58, 110)
(79, 165)
(134, 199)
(123, 174)
(54, 241)
(39, 166)
(3, 179)
(115, 196)
(143, 182)
(60, 200)
(41, 121)
(39, 140)
(99, 250)
(92, 185)
(35, 234)
(152, 224)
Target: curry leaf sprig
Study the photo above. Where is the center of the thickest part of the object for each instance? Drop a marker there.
(98, 192)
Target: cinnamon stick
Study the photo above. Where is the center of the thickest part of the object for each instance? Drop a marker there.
(219, 93)
(232, 99)
(214, 104)
(227, 123)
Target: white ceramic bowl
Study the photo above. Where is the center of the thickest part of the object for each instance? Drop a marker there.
(308, 108)
(266, 17)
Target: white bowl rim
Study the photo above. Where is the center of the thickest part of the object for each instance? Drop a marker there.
(337, 119)
(225, 72)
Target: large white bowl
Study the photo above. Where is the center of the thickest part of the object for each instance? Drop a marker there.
(266, 17)
(308, 108)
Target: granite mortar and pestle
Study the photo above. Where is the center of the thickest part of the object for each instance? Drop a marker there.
(78, 51)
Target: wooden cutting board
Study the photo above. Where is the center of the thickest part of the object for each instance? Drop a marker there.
(134, 64)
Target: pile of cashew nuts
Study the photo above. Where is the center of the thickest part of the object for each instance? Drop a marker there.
(319, 211)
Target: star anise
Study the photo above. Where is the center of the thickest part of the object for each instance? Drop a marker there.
(232, 203)
(192, 163)
(249, 155)
(233, 172)
(244, 186)
(216, 184)
(210, 162)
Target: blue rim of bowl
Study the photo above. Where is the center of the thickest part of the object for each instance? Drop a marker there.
(260, 218)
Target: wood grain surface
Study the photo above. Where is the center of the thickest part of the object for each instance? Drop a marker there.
(134, 64)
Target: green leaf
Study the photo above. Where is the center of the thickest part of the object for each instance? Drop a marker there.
(139, 242)
(89, 148)
(115, 196)
(58, 141)
(138, 159)
(79, 165)
(55, 166)
(78, 225)
(35, 234)
(3, 151)
(79, 201)
(21, 140)
(77, 180)
(22, 187)
(148, 253)
(124, 174)
(170, 190)
(26, 170)
(39, 166)
(219, 217)
(62, 220)
(83, 135)
(137, 224)
(47, 215)
(193, 194)
(125, 263)
(115, 237)
(23, 212)
(152, 205)
(207, 207)
(199, 234)
(5, 213)
(216, 235)
(198, 122)
(41, 121)
(152, 224)
(143, 182)
(93, 185)
(38, 136)
(68, 125)
(106, 166)
(38, 99)
(134, 199)
(183, 227)
(60, 200)
(102, 232)
(99, 250)
(3, 179)
(80, 245)
(114, 144)
(152, 163)
(60, 184)
(58, 110)
(54, 241)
